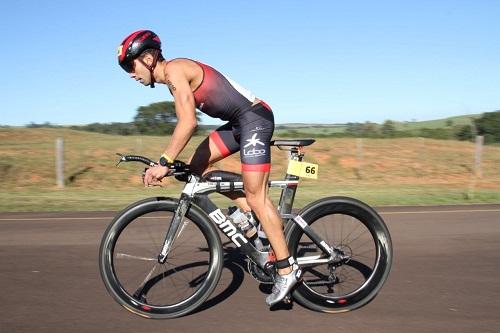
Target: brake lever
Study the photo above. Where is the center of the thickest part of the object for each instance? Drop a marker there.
(122, 159)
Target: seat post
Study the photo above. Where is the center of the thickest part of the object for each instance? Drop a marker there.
(288, 194)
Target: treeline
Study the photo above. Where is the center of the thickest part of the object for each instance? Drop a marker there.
(154, 119)
(389, 130)
(160, 119)
(487, 125)
(110, 128)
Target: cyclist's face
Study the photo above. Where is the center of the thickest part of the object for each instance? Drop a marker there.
(141, 73)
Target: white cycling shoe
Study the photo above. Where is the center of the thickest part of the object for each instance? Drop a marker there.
(284, 284)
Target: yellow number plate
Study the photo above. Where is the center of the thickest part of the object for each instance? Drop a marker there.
(302, 169)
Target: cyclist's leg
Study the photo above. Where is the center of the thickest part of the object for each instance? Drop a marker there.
(256, 133)
(256, 187)
(218, 145)
(255, 151)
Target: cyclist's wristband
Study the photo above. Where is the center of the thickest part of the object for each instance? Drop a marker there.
(165, 159)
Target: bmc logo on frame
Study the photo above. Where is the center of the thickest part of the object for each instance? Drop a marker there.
(227, 227)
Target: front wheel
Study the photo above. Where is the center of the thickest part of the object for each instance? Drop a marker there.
(128, 259)
(359, 235)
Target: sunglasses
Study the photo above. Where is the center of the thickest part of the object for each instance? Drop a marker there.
(129, 67)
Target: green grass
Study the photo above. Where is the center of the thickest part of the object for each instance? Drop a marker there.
(91, 200)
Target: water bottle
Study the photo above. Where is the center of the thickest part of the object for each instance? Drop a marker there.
(257, 241)
(242, 220)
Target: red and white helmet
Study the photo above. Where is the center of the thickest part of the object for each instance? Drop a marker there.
(134, 44)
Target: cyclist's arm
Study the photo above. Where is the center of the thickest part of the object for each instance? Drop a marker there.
(184, 108)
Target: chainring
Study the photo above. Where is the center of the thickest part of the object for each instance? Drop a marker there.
(259, 274)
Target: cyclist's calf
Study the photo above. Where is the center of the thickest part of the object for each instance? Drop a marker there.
(255, 184)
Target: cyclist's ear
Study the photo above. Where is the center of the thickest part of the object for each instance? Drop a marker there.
(148, 58)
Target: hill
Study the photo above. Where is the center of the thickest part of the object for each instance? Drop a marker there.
(405, 129)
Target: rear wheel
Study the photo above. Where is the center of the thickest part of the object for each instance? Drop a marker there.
(130, 268)
(361, 237)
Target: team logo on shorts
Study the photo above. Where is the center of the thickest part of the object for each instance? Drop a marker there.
(253, 142)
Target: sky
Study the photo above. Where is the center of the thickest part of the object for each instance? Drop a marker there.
(312, 61)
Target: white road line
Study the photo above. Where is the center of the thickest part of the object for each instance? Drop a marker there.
(152, 217)
(68, 218)
(56, 218)
(441, 211)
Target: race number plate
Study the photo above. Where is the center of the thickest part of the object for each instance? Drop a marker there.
(303, 169)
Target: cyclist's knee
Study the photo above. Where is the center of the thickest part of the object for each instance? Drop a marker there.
(256, 201)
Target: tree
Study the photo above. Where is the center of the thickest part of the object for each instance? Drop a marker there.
(157, 118)
(354, 129)
(463, 133)
(489, 126)
(370, 130)
(388, 129)
(435, 133)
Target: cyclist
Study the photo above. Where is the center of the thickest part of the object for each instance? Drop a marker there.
(249, 128)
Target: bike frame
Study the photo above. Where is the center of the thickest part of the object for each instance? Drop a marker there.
(196, 192)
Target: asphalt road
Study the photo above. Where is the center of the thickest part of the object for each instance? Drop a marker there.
(445, 278)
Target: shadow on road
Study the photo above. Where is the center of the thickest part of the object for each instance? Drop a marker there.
(235, 263)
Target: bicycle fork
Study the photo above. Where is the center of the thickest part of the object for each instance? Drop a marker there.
(175, 228)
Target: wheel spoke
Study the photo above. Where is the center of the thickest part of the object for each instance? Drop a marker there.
(343, 241)
(129, 256)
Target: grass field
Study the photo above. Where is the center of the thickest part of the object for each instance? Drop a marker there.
(379, 171)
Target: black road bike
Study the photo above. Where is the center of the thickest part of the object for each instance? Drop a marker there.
(162, 257)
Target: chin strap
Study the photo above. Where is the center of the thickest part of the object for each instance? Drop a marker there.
(152, 67)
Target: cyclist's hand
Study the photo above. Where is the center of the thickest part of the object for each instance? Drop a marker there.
(154, 175)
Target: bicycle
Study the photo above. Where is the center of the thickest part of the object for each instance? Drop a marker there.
(342, 245)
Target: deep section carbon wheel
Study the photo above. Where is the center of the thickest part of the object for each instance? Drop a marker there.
(129, 264)
(362, 241)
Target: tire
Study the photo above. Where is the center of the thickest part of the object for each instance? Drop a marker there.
(362, 235)
(130, 269)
